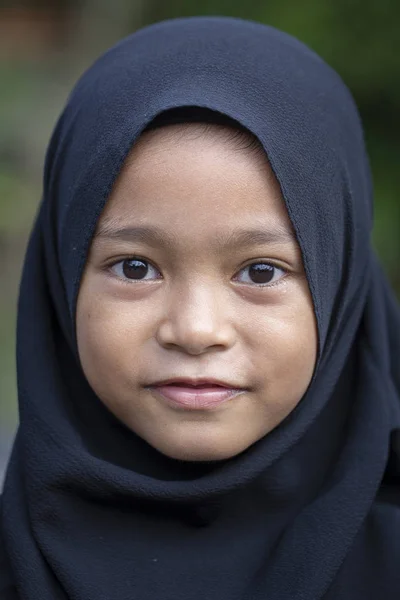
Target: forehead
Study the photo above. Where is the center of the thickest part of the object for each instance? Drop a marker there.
(184, 174)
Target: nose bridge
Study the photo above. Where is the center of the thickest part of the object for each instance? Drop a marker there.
(199, 302)
(196, 315)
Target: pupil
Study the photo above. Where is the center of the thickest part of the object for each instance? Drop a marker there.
(262, 273)
(134, 268)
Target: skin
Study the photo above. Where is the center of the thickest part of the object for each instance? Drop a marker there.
(197, 310)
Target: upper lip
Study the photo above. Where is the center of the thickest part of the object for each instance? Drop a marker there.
(196, 382)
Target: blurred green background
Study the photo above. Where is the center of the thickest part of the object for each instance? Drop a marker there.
(45, 46)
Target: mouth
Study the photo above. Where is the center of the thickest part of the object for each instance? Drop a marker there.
(195, 395)
(204, 382)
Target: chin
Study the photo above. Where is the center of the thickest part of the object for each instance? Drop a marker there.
(200, 452)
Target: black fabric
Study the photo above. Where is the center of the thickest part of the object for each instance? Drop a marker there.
(90, 511)
(7, 587)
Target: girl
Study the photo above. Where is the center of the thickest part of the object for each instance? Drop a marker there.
(208, 350)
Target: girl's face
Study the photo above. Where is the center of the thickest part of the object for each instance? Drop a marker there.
(196, 300)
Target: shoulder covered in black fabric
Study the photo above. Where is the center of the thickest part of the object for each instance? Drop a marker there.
(7, 587)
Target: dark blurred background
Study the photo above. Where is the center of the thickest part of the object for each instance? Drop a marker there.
(45, 45)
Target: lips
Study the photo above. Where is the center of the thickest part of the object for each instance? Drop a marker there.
(197, 382)
(203, 386)
(194, 398)
(195, 393)
(200, 386)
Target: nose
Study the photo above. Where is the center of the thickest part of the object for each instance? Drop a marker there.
(195, 321)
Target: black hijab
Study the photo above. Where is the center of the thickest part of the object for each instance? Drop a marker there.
(89, 510)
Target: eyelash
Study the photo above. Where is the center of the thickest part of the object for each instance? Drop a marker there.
(128, 281)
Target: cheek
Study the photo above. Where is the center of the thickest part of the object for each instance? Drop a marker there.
(110, 336)
(287, 353)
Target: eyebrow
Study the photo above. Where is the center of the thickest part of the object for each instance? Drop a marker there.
(156, 237)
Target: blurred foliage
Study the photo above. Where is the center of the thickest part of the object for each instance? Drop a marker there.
(359, 39)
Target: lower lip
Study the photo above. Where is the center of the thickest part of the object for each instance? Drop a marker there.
(192, 398)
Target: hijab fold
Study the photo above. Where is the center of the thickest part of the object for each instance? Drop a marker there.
(89, 510)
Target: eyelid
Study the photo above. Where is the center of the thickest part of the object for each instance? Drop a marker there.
(264, 262)
(135, 257)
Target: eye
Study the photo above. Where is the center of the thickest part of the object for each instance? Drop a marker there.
(134, 269)
(264, 274)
